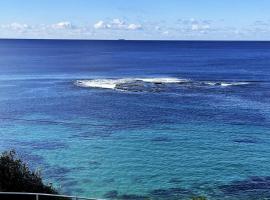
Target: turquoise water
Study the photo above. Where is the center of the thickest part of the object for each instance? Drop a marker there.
(136, 120)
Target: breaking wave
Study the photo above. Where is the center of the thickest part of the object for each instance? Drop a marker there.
(163, 80)
(101, 83)
(151, 84)
(113, 83)
(226, 84)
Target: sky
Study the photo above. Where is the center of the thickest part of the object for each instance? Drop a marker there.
(136, 19)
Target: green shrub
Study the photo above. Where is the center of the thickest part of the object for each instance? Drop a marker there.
(15, 176)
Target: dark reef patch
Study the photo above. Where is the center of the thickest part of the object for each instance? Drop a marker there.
(111, 194)
(141, 86)
(158, 194)
(78, 168)
(171, 193)
(94, 162)
(86, 181)
(161, 139)
(246, 140)
(132, 197)
(70, 183)
(174, 180)
(254, 187)
(60, 170)
(59, 173)
(32, 158)
(114, 195)
(62, 179)
(109, 180)
(94, 134)
(137, 180)
(44, 145)
(78, 190)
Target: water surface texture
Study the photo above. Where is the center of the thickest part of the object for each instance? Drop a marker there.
(140, 119)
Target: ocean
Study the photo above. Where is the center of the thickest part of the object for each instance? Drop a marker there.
(140, 119)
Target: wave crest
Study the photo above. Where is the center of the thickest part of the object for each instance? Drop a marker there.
(101, 83)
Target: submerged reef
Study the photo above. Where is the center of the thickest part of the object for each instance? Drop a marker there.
(252, 188)
(157, 194)
(154, 85)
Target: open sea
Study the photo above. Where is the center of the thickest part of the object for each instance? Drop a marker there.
(140, 120)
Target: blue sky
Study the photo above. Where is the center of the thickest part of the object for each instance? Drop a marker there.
(136, 19)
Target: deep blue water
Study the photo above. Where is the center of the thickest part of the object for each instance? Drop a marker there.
(140, 119)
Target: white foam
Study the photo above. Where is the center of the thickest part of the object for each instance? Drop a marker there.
(112, 83)
(211, 83)
(101, 83)
(163, 80)
(226, 84)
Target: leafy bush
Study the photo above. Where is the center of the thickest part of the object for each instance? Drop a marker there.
(15, 176)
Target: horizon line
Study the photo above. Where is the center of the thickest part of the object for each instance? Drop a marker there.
(123, 40)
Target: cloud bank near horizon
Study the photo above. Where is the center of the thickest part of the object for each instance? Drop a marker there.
(116, 28)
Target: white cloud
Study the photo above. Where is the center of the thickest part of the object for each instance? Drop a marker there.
(166, 32)
(63, 25)
(121, 28)
(194, 27)
(134, 26)
(16, 26)
(117, 24)
(199, 27)
(100, 25)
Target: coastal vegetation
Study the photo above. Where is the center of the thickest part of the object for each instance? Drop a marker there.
(16, 176)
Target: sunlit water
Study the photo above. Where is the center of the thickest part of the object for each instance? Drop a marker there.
(137, 120)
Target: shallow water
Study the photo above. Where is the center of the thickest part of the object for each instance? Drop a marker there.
(192, 119)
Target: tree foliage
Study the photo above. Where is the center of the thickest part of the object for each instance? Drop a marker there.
(16, 176)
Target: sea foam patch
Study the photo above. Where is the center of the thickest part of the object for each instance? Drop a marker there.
(163, 80)
(224, 84)
(101, 83)
(113, 83)
(151, 84)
